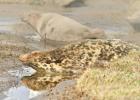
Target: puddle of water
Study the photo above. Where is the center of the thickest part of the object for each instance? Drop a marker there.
(90, 16)
(7, 23)
(5, 29)
(21, 93)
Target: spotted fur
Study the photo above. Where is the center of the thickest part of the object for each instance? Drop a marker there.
(71, 61)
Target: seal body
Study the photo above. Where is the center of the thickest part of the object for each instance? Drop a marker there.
(56, 27)
(71, 61)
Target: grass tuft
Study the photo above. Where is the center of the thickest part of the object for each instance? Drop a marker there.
(118, 81)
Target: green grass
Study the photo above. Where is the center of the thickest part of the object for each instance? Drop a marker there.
(120, 80)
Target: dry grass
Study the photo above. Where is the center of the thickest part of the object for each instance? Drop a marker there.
(119, 81)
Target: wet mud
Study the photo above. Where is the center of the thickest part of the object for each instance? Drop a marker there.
(17, 38)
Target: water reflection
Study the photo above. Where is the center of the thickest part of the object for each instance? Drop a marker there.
(22, 72)
(20, 93)
(9, 20)
(105, 14)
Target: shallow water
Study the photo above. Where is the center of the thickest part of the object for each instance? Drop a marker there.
(18, 91)
(21, 93)
(100, 14)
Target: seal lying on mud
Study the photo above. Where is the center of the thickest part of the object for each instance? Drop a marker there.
(70, 61)
(69, 3)
(56, 27)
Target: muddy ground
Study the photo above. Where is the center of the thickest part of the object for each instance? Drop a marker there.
(17, 37)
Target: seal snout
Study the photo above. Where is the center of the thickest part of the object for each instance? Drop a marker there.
(24, 58)
(27, 57)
